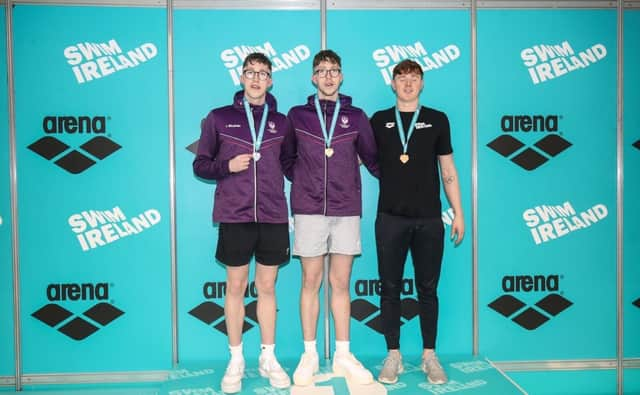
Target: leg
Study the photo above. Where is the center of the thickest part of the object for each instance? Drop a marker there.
(426, 250)
(265, 284)
(312, 270)
(339, 278)
(237, 278)
(393, 236)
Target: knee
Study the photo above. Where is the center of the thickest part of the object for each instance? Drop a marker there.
(311, 282)
(339, 284)
(390, 288)
(236, 287)
(265, 287)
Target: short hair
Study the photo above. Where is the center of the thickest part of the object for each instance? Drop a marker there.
(256, 57)
(326, 55)
(407, 66)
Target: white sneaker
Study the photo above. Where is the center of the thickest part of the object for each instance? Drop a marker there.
(345, 364)
(308, 366)
(271, 369)
(232, 380)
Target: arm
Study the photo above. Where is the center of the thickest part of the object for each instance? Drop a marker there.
(366, 147)
(289, 151)
(206, 165)
(452, 190)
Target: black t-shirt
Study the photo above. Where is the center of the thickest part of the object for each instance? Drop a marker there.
(411, 189)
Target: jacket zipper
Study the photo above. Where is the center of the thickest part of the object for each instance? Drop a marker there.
(325, 165)
(255, 187)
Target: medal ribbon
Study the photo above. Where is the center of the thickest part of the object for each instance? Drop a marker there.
(257, 139)
(323, 125)
(405, 140)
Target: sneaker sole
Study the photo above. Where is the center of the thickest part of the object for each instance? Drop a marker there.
(231, 389)
(275, 383)
(385, 381)
(305, 381)
(436, 382)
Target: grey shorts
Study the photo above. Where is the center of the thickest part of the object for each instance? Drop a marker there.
(317, 235)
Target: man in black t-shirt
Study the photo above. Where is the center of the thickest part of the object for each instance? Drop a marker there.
(414, 151)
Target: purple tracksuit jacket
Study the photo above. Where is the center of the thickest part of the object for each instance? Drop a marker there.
(257, 193)
(323, 185)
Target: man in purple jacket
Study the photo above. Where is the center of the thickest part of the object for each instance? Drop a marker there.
(240, 148)
(329, 135)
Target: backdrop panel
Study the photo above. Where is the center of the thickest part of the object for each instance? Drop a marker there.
(208, 62)
(547, 183)
(631, 186)
(369, 54)
(92, 136)
(6, 277)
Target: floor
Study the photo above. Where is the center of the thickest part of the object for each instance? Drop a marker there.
(467, 375)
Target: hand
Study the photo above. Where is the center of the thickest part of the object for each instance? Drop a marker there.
(457, 229)
(240, 163)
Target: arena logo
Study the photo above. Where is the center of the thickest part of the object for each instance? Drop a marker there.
(531, 317)
(97, 228)
(530, 157)
(637, 303)
(546, 62)
(78, 327)
(75, 161)
(369, 314)
(212, 313)
(548, 223)
(387, 57)
(234, 57)
(637, 144)
(91, 61)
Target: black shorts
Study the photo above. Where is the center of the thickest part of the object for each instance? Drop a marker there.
(238, 242)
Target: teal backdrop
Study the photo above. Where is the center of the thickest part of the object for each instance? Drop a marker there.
(94, 238)
(545, 270)
(93, 159)
(631, 152)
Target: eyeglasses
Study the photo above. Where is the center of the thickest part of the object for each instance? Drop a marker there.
(322, 73)
(250, 74)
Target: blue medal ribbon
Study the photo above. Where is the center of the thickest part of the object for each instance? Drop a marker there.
(327, 136)
(405, 140)
(257, 138)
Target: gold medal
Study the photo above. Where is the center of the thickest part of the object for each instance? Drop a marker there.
(329, 152)
(404, 158)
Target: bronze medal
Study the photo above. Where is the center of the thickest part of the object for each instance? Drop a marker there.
(404, 158)
(329, 152)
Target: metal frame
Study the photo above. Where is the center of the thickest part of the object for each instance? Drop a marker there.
(13, 165)
(620, 205)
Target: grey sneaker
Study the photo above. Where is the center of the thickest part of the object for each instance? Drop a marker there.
(391, 368)
(435, 374)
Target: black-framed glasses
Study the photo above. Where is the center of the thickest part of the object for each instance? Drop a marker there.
(262, 75)
(332, 72)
